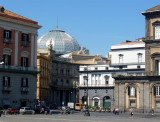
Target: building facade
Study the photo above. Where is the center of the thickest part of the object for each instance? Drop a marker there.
(98, 82)
(141, 91)
(18, 52)
(64, 87)
(44, 78)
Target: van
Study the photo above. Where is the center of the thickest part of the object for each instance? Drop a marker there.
(78, 106)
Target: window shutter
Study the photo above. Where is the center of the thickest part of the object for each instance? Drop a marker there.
(22, 61)
(21, 82)
(26, 62)
(3, 80)
(9, 59)
(135, 92)
(4, 59)
(154, 90)
(10, 34)
(22, 37)
(26, 82)
(9, 81)
(129, 91)
(28, 37)
(4, 34)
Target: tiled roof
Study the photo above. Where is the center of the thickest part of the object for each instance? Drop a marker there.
(14, 16)
(154, 8)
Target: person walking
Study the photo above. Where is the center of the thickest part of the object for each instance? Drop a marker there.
(131, 112)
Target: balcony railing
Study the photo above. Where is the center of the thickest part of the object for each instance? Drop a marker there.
(6, 89)
(19, 69)
(8, 41)
(25, 43)
(24, 89)
(129, 74)
(97, 85)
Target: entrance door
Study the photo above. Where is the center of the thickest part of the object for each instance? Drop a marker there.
(107, 105)
(96, 104)
(23, 104)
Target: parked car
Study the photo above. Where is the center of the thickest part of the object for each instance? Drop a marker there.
(13, 111)
(26, 110)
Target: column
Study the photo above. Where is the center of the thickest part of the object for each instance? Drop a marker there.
(35, 54)
(16, 49)
(32, 49)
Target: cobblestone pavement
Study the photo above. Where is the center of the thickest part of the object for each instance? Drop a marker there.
(79, 117)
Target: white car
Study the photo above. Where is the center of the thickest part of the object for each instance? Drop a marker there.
(26, 110)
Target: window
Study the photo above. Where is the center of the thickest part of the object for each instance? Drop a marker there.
(7, 34)
(132, 103)
(120, 67)
(25, 39)
(157, 90)
(132, 91)
(24, 82)
(138, 67)
(6, 81)
(7, 59)
(61, 82)
(120, 58)
(139, 57)
(67, 82)
(24, 61)
(157, 32)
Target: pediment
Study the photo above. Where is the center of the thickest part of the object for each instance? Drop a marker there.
(156, 23)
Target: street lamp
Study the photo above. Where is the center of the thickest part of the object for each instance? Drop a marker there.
(87, 111)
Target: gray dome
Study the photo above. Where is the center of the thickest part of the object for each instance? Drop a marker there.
(61, 42)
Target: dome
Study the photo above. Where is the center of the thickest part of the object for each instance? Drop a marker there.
(61, 42)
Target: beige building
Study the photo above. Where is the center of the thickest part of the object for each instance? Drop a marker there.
(44, 64)
(142, 91)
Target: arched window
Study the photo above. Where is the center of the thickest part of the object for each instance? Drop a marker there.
(139, 57)
(120, 58)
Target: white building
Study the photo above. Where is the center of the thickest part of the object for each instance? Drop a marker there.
(128, 55)
(100, 84)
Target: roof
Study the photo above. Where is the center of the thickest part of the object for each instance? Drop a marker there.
(132, 42)
(10, 15)
(154, 8)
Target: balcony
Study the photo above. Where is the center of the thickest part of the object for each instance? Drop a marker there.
(16, 69)
(97, 85)
(6, 40)
(24, 90)
(25, 43)
(6, 89)
(129, 74)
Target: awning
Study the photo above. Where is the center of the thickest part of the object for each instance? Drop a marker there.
(6, 102)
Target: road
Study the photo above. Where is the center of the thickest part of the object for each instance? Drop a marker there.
(79, 117)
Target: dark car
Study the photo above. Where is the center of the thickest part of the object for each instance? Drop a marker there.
(13, 111)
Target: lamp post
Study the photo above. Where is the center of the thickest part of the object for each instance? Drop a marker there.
(87, 111)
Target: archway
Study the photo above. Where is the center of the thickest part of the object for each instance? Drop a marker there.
(107, 102)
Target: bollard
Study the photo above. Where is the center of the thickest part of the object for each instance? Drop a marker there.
(50, 112)
(33, 112)
(45, 112)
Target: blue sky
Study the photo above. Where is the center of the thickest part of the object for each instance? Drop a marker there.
(95, 24)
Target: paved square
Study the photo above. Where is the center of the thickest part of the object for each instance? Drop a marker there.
(79, 117)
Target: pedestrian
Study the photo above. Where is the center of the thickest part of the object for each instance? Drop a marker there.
(131, 112)
(152, 111)
(100, 109)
